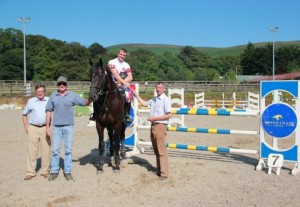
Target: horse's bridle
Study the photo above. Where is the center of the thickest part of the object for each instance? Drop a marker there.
(101, 87)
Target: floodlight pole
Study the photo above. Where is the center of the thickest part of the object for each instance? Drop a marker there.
(23, 22)
(276, 98)
(273, 30)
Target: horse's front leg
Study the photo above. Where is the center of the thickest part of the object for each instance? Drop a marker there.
(111, 142)
(117, 149)
(111, 145)
(100, 130)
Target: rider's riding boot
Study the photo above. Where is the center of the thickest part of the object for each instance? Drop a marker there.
(127, 119)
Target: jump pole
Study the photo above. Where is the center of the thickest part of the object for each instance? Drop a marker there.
(211, 148)
(206, 130)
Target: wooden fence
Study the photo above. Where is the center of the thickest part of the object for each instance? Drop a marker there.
(16, 87)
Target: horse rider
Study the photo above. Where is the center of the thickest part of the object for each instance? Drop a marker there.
(122, 76)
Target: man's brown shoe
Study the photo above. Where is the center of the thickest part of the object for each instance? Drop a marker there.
(29, 177)
(45, 175)
(162, 178)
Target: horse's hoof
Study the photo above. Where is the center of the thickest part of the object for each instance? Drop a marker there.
(123, 155)
(117, 170)
(110, 163)
(99, 172)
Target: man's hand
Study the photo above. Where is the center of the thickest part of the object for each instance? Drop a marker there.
(48, 131)
(118, 84)
(88, 101)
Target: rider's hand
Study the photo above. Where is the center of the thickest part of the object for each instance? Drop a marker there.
(119, 84)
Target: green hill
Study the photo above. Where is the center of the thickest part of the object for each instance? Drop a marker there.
(212, 51)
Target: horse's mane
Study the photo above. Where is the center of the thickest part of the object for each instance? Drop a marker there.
(108, 71)
(110, 77)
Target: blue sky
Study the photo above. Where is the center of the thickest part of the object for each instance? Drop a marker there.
(198, 23)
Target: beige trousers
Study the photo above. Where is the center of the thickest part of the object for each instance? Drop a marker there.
(37, 136)
(158, 139)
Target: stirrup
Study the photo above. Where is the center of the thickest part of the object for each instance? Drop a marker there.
(92, 117)
(128, 119)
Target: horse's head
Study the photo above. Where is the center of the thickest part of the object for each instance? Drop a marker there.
(98, 77)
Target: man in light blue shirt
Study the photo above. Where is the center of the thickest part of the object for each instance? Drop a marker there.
(35, 128)
(62, 103)
(160, 113)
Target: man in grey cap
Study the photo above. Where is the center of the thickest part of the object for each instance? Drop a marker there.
(62, 103)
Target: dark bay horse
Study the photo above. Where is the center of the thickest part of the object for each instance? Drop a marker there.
(109, 112)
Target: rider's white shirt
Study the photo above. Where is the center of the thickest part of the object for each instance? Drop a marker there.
(120, 66)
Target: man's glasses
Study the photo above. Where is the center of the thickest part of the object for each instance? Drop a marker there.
(62, 83)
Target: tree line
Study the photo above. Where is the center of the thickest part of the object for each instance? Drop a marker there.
(49, 58)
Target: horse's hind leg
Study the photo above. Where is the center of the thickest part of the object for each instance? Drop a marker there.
(111, 141)
(111, 146)
(122, 150)
(117, 161)
(122, 138)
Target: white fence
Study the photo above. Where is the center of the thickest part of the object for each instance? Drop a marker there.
(250, 102)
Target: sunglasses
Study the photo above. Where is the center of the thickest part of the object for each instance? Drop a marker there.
(62, 83)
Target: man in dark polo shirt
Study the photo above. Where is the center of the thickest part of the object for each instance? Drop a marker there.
(62, 103)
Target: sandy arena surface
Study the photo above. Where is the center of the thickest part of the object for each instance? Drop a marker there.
(197, 178)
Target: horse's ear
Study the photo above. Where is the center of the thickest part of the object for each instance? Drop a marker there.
(91, 62)
(101, 62)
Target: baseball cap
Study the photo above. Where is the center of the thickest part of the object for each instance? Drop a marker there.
(61, 79)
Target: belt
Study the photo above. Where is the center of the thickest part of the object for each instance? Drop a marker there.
(155, 123)
(38, 125)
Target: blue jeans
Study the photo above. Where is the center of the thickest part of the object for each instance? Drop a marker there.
(59, 134)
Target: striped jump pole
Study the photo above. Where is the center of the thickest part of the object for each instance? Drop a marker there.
(211, 131)
(211, 148)
(218, 112)
(206, 130)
